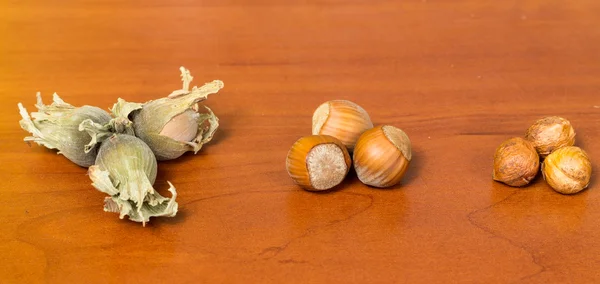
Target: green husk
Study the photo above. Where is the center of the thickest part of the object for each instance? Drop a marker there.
(125, 169)
(154, 115)
(56, 126)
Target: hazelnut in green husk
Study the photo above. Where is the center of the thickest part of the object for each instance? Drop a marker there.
(125, 169)
(176, 124)
(56, 126)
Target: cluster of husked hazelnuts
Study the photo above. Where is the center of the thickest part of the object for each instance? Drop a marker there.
(321, 161)
(566, 168)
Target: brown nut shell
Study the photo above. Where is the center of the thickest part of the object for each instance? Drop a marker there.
(318, 162)
(567, 170)
(341, 119)
(516, 162)
(550, 133)
(382, 155)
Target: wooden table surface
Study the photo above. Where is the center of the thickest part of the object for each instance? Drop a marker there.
(458, 76)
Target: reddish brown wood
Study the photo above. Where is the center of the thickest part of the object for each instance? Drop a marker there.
(458, 76)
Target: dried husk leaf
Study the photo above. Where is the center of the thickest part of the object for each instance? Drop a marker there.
(119, 124)
(164, 207)
(126, 169)
(56, 126)
(121, 111)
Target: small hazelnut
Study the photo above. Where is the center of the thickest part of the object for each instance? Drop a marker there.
(318, 162)
(516, 162)
(550, 133)
(567, 170)
(341, 119)
(382, 155)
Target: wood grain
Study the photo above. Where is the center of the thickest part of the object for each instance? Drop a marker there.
(458, 76)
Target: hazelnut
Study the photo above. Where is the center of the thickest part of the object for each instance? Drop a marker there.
(318, 162)
(550, 133)
(516, 162)
(341, 119)
(382, 155)
(567, 170)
